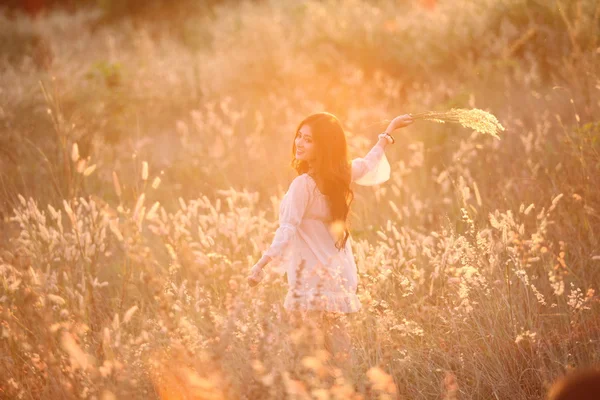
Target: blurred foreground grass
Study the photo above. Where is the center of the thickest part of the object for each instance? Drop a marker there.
(123, 263)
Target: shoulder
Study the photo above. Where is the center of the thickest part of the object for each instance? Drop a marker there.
(302, 181)
(302, 184)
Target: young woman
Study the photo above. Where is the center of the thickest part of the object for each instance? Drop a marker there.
(312, 244)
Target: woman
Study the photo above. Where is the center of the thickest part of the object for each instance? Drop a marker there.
(312, 242)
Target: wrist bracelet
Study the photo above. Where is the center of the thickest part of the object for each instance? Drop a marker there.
(387, 135)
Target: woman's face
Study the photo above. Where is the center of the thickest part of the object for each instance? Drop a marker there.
(305, 148)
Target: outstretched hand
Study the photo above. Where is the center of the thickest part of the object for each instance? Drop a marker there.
(400, 122)
(256, 275)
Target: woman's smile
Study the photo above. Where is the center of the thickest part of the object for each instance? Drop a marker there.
(304, 144)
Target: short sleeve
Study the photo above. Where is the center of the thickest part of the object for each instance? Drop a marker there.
(292, 208)
(371, 169)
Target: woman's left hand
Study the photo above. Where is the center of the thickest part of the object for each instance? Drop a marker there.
(400, 122)
(256, 275)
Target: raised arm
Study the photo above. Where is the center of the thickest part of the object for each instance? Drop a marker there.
(374, 168)
(292, 208)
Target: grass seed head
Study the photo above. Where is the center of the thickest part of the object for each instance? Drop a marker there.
(479, 120)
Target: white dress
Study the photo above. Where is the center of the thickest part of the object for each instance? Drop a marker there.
(320, 277)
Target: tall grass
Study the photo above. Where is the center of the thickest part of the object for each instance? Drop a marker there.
(142, 183)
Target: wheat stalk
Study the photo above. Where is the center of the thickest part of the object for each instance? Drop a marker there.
(479, 120)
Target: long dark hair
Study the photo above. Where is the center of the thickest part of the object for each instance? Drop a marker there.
(330, 167)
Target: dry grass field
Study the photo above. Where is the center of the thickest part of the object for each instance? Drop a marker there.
(143, 158)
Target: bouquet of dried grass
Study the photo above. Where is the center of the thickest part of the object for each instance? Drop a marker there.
(479, 120)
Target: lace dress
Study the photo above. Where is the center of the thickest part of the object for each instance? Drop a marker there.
(320, 277)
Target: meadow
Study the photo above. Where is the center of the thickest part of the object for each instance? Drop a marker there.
(143, 158)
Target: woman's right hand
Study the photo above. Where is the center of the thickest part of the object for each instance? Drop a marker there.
(256, 275)
(400, 122)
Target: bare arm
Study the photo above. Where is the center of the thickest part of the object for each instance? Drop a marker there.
(264, 260)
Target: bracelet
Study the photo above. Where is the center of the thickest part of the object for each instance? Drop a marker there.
(388, 136)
